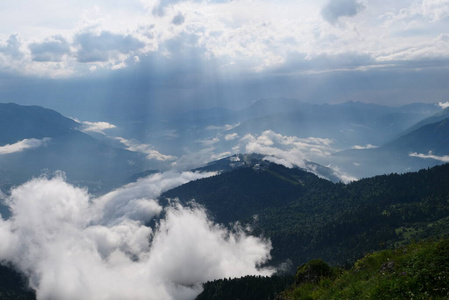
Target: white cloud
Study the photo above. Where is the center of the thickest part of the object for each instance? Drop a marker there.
(23, 145)
(243, 34)
(287, 150)
(99, 127)
(443, 105)
(368, 146)
(79, 250)
(444, 158)
(195, 159)
(209, 142)
(226, 127)
(344, 177)
(145, 149)
(231, 136)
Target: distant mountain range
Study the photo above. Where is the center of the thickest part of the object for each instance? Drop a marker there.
(35, 140)
(55, 142)
(425, 144)
(347, 124)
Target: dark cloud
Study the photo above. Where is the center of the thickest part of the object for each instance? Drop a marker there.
(178, 19)
(97, 48)
(52, 49)
(341, 8)
(12, 47)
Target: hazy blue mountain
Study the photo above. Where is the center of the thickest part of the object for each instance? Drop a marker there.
(432, 137)
(394, 156)
(21, 122)
(85, 160)
(439, 116)
(348, 124)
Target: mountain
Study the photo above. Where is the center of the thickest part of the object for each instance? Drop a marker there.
(307, 217)
(437, 117)
(23, 122)
(347, 124)
(401, 154)
(255, 161)
(35, 140)
(432, 137)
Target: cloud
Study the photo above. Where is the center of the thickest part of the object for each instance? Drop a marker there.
(368, 146)
(12, 47)
(231, 136)
(99, 127)
(287, 150)
(178, 19)
(444, 158)
(226, 127)
(52, 49)
(443, 105)
(159, 9)
(344, 177)
(145, 149)
(335, 9)
(194, 160)
(209, 141)
(82, 251)
(103, 47)
(23, 145)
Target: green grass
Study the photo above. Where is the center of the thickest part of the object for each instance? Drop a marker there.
(416, 271)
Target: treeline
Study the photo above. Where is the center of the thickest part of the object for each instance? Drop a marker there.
(245, 288)
(307, 217)
(414, 271)
(14, 286)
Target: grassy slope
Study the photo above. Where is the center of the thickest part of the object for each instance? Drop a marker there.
(416, 271)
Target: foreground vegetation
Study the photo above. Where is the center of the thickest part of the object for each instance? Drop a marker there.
(245, 288)
(416, 271)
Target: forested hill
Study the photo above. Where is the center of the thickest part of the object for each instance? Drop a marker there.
(414, 271)
(307, 217)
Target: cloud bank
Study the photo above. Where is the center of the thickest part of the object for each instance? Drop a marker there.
(444, 158)
(73, 246)
(23, 145)
(151, 154)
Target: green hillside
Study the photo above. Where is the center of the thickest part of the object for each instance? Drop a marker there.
(307, 217)
(416, 271)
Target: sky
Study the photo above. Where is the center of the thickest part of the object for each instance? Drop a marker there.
(190, 54)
